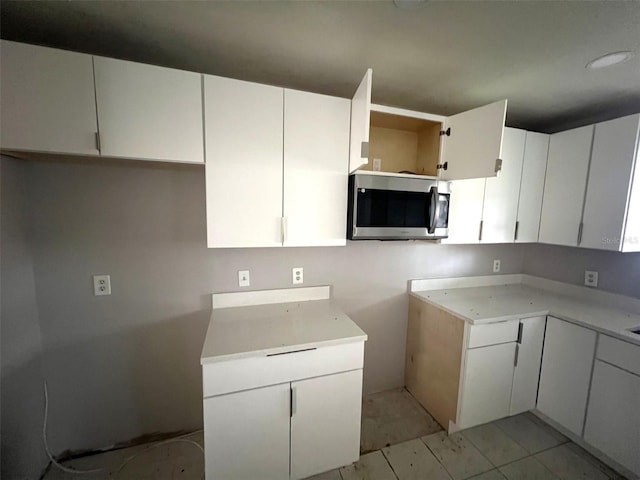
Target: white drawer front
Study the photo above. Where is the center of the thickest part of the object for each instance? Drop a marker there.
(619, 353)
(493, 333)
(235, 375)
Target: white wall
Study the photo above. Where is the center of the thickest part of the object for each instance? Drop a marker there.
(617, 272)
(126, 365)
(21, 348)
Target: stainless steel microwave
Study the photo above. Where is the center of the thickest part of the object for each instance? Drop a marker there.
(394, 207)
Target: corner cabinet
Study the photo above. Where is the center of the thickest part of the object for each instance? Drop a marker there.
(276, 165)
(48, 102)
(388, 139)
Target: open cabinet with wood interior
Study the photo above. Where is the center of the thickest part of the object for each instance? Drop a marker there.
(393, 140)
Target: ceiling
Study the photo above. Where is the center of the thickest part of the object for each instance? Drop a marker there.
(441, 57)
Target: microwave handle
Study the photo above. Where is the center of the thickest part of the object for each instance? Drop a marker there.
(435, 208)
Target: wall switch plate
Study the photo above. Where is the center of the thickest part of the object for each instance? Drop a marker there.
(297, 274)
(101, 285)
(496, 266)
(590, 278)
(244, 279)
(377, 164)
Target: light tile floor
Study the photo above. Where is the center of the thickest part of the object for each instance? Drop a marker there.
(400, 441)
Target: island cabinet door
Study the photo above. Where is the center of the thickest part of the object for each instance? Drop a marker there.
(247, 434)
(325, 423)
(486, 392)
(566, 372)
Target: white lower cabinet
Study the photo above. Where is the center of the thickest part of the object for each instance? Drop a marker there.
(246, 434)
(566, 371)
(487, 384)
(613, 416)
(325, 418)
(306, 425)
(526, 373)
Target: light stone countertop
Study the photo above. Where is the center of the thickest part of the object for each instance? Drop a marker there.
(259, 330)
(510, 301)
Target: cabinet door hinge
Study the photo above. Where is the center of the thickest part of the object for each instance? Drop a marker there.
(442, 166)
(498, 165)
(446, 132)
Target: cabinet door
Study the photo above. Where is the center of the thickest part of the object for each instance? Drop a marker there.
(528, 358)
(360, 113)
(465, 211)
(48, 101)
(501, 192)
(613, 420)
(565, 374)
(564, 188)
(475, 142)
(148, 112)
(316, 157)
(534, 167)
(243, 170)
(325, 423)
(612, 163)
(246, 434)
(486, 391)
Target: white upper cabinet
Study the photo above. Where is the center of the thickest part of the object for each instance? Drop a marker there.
(565, 183)
(608, 207)
(243, 170)
(501, 192)
(316, 149)
(465, 211)
(148, 112)
(360, 112)
(534, 167)
(475, 142)
(48, 102)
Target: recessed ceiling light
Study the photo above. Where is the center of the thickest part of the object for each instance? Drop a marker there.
(609, 60)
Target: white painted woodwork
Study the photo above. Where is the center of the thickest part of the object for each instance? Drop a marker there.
(148, 112)
(325, 423)
(360, 113)
(566, 371)
(465, 211)
(613, 418)
(619, 353)
(613, 160)
(475, 142)
(492, 333)
(501, 193)
(486, 389)
(243, 170)
(316, 157)
(534, 167)
(527, 371)
(246, 434)
(224, 377)
(565, 183)
(48, 101)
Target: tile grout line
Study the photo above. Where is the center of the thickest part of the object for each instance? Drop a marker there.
(389, 463)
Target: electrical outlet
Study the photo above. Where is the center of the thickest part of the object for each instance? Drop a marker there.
(496, 266)
(377, 164)
(590, 278)
(297, 274)
(244, 279)
(101, 285)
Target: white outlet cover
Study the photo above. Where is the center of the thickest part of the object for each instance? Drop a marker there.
(590, 278)
(496, 266)
(101, 285)
(297, 275)
(244, 278)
